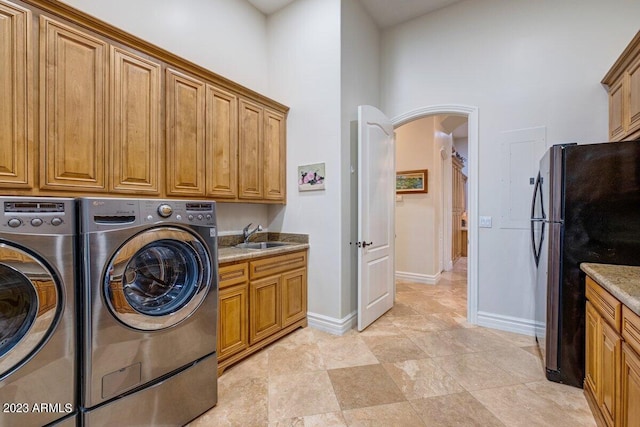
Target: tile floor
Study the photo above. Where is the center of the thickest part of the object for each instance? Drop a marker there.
(420, 364)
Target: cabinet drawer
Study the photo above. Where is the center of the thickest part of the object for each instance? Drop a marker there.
(631, 328)
(233, 274)
(270, 266)
(606, 304)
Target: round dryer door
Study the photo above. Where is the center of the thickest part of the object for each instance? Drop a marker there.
(28, 306)
(158, 278)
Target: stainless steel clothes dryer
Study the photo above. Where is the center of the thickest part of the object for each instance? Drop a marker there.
(37, 311)
(150, 275)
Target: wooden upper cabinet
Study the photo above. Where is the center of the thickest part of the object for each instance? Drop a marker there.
(250, 150)
(135, 123)
(275, 156)
(634, 96)
(16, 93)
(185, 135)
(73, 76)
(623, 84)
(222, 143)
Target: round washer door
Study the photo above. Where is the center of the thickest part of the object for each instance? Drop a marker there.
(29, 300)
(158, 278)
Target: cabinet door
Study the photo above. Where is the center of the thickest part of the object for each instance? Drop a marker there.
(135, 123)
(232, 321)
(250, 172)
(16, 93)
(73, 75)
(630, 389)
(592, 355)
(275, 153)
(264, 303)
(185, 135)
(633, 112)
(616, 111)
(294, 296)
(610, 348)
(222, 143)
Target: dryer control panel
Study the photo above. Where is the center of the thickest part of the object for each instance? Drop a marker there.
(37, 216)
(187, 212)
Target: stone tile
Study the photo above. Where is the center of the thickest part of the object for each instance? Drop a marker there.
(300, 394)
(475, 339)
(330, 419)
(399, 309)
(518, 405)
(390, 415)
(570, 399)
(363, 386)
(293, 357)
(346, 351)
(422, 378)
(473, 371)
(521, 364)
(519, 340)
(382, 327)
(455, 410)
(424, 323)
(394, 349)
(255, 366)
(434, 344)
(233, 401)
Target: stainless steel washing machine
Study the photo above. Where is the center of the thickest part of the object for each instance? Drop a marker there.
(37, 312)
(149, 310)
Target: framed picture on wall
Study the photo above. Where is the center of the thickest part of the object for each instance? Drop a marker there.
(415, 181)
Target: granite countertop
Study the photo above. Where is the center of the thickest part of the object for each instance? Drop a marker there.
(227, 252)
(622, 281)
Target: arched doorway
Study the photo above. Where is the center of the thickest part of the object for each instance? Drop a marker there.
(472, 118)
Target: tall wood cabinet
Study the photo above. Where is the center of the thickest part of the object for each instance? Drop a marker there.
(134, 128)
(16, 93)
(118, 115)
(623, 85)
(73, 107)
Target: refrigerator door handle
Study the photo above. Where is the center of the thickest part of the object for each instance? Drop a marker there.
(537, 248)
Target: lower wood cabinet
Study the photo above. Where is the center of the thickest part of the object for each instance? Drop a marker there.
(612, 382)
(260, 301)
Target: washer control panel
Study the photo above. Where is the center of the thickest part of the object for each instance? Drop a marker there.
(37, 216)
(181, 211)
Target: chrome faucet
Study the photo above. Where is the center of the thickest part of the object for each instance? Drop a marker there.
(246, 233)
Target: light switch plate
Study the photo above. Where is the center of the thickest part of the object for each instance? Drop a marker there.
(485, 222)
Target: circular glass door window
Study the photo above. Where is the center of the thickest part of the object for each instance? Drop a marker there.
(158, 278)
(29, 303)
(18, 308)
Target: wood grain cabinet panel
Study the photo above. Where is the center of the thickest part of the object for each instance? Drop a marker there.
(250, 155)
(275, 156)
(185, 135)
(135, 123)
(73, 76)
(233, 329)
(623, 85)
(592, 355)
(264, 315)
(222, 143)
(634, 97)
(294, 296)
(16, 95)
(630, 388)
(610, 347)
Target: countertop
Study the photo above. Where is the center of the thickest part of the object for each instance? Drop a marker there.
(622, 281)
(232, 254)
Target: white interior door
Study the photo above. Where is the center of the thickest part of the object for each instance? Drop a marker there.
(376, 215)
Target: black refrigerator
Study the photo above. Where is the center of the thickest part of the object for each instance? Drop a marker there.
(585, 208)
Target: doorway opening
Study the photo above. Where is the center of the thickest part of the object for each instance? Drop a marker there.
(441, 213)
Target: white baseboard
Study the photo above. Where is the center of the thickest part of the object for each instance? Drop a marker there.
(427, 279)
(509, 324)
(331, 324)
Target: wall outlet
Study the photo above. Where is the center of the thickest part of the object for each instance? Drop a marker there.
(485, 222)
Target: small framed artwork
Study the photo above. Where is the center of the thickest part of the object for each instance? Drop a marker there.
(412, 181)
(311, 177)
